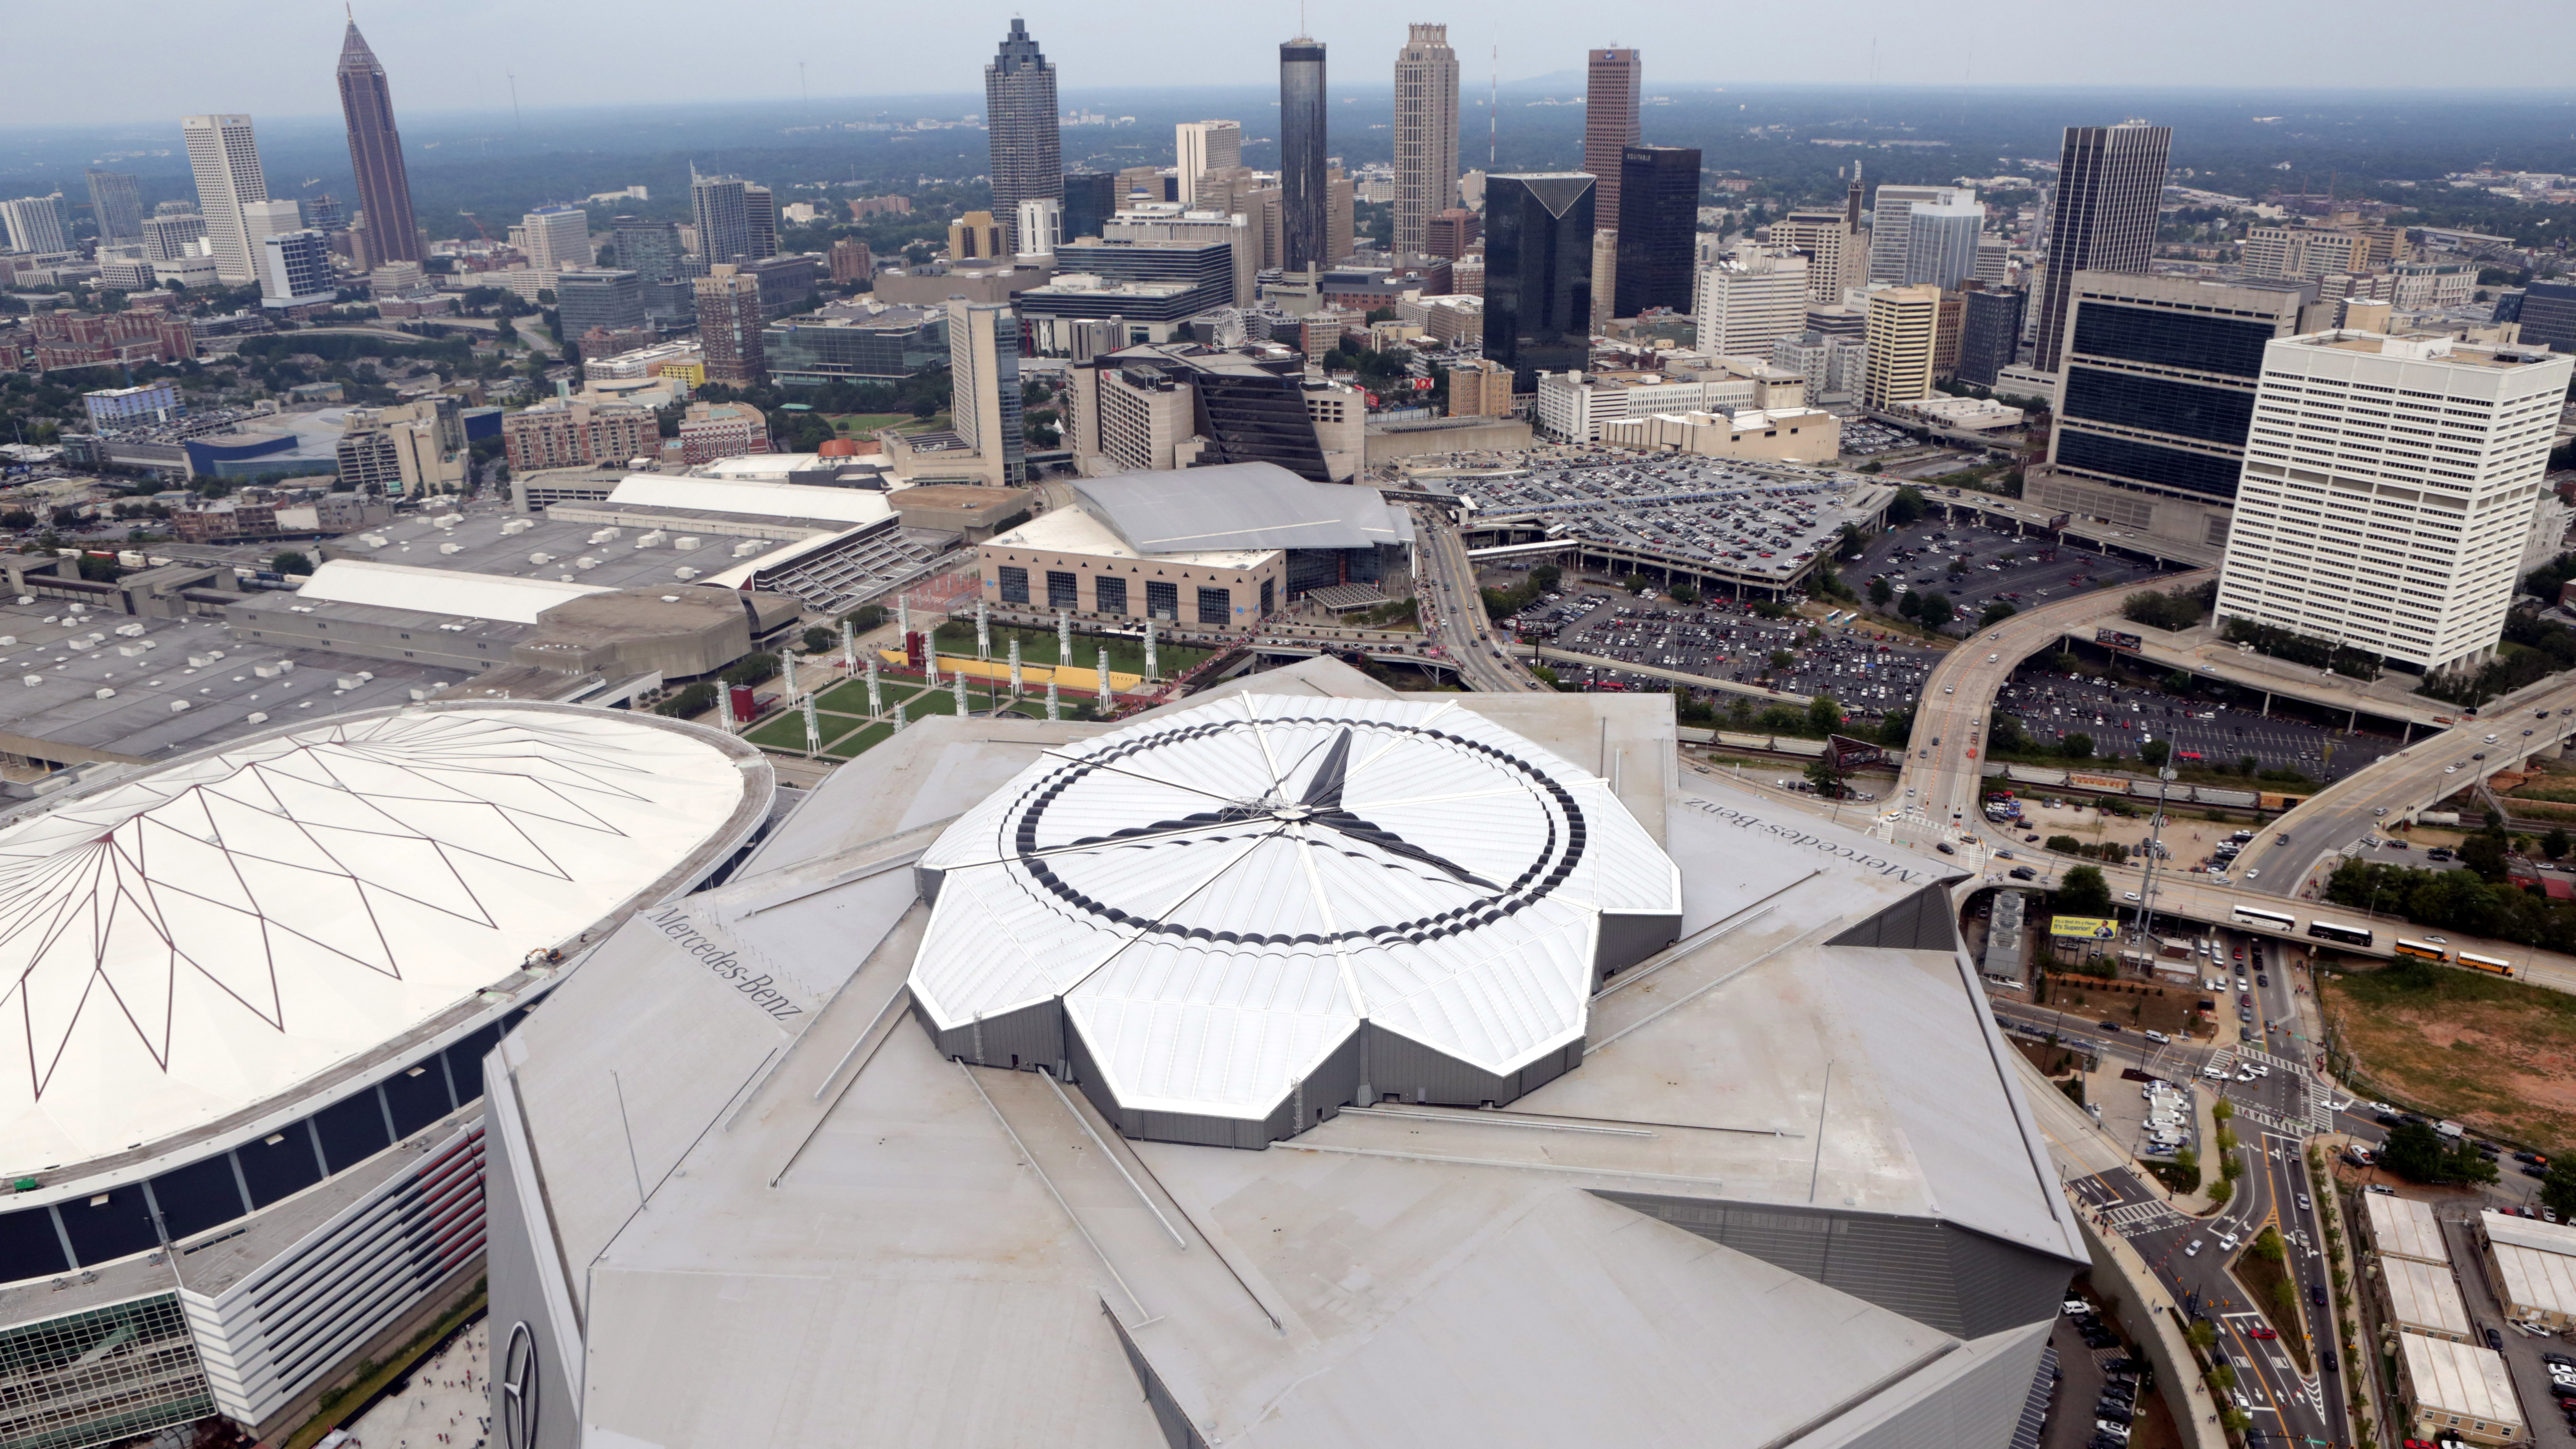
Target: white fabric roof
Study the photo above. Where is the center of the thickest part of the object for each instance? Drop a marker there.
(754, 500)
(2538, 1266)
(2460, 1378)
(207, 935)
(440, 591)
(1220, 896)
(2402, 1227)
(2424, 1296)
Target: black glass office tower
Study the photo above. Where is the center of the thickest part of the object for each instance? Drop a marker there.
(2102, 219)
(1538, 273)
(1658, 227)
(1020, 120)
(116, 200)
(1090, 199)
(2159, 373)
(1303, 197)
(1989, 334)
(2547, 312)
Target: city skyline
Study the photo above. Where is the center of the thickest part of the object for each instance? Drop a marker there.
(447, 70)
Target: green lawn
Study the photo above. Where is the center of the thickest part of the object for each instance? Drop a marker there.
(857, 425)
(858, 744)
(1037, 646)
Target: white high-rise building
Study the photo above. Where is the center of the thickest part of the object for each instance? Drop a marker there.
(273, 217)
(557, 237)
(1903, 326)
(1204, 146)
(1041, 227)
(2389, 486)
(1751, 299)
(35, 224)
(225, 158)
(1891, 218)
(1941, 241)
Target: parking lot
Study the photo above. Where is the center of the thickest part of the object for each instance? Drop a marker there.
(2052, 705)
(2522, 1352)
(2099, 1384)
(1997, 565)
(1871, 673)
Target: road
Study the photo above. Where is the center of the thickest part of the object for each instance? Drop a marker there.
(1938, 792)
(1453, 611)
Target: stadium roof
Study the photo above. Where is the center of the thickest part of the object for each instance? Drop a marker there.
(745, 498)
(1220, 897)
(1791, 1188)
(1240, 506)
(183, 943)
(440, 591)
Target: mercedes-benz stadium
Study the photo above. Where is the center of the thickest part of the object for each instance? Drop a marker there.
(1301, 1064)
(248, 996)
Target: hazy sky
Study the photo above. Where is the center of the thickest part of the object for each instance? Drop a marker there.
(274, 57)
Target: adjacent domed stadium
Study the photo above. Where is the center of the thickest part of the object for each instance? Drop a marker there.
(248, 995)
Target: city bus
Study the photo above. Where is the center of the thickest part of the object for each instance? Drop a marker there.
(2488, 964)
(2268, 920)
(2422, 950)
(2340, 935)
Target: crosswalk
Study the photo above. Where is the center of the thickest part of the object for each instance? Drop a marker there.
(2137, 1219)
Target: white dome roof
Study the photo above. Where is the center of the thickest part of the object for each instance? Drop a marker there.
(1220, 897)
(204, 936)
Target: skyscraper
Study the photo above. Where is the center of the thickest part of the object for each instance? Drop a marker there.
(1538, 273)
(1990, 334)
(760, 213)
(1303, 201)
(1202, 146)
(729, 324)
(168, 238)
(375, 154)
(2389, 487)
(1903, 322)
(1020, 120)
(1658, 228)
(1426, 136)
(984, 386)
(1891, 222)
(2156, 385)
(117, 204)
(225, 158)
(2109, 180)
(558, 237)
(1090, 199)
(722, 208)
(35, 224)
(1941, 242)
(1609, 123)
(295, 270)
(649, 249)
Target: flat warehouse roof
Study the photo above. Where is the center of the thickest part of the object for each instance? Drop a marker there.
(440, 591)
(2424, 1296)
(2460, 1378)
(756, 500)
(2403, 1227)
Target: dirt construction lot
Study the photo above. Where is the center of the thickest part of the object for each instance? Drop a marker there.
(2496, 1056)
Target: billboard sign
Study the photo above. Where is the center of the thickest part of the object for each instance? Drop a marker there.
(2082, 928)
(1846, 753)
(2114, 639)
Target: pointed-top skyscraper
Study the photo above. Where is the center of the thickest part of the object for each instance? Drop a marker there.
(1020, 119)
(375, 154)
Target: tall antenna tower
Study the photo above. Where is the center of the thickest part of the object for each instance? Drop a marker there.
(1494, 110)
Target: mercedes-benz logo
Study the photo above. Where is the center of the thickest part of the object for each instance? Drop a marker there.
(519, 1389)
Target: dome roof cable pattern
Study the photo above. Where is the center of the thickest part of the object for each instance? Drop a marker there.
(216, 911)
(1197, 914)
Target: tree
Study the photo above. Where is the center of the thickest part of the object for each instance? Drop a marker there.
(2558, 1189)
(2267, 1246)
(1911, 606)
(2221, 1190)
(1906, 506)
(2484, 853)
(1684, 594)
(2414, 1152)
(2155, 752)
(2068, 845)
(2083, 892)
(1782, 658)
(1826, 776)
(1824, 716)
(2202, 1333)
(1880, 591)
(2222, 1110)
(292, 562)
(1996, 613)
(818, 639)
(2077, 746)
(1937, 610)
